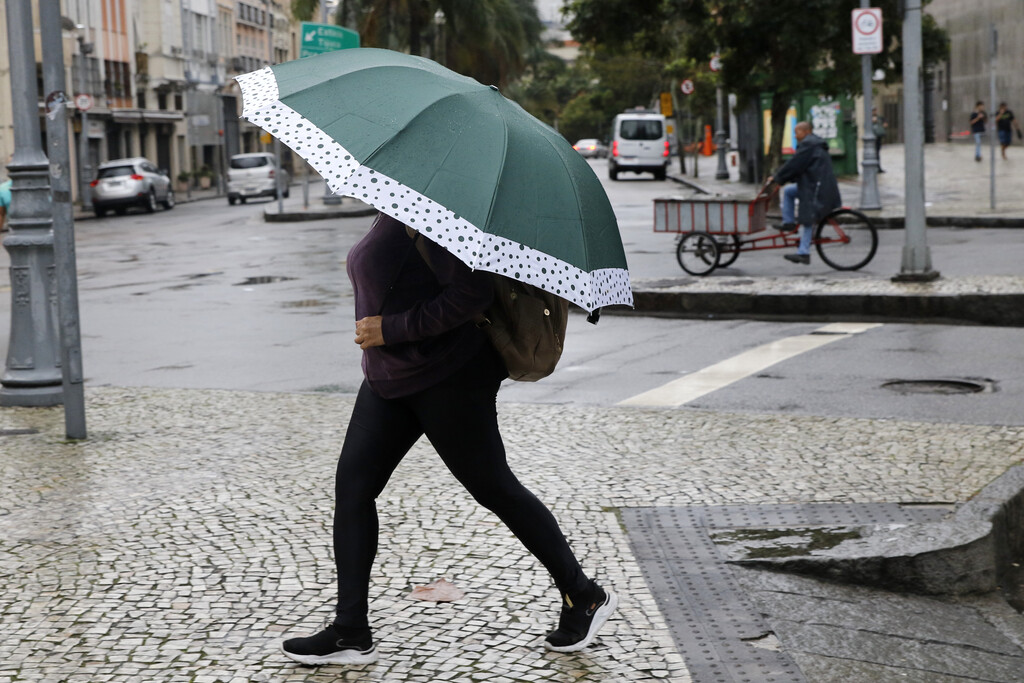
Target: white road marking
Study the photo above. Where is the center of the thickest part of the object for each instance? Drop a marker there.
(714, 377)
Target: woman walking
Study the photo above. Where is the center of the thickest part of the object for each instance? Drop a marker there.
(428, 369)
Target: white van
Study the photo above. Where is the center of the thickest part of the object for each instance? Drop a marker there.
(639, 144)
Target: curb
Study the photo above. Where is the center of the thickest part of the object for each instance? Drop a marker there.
(972, 551)
(352, 211)
(997, 310)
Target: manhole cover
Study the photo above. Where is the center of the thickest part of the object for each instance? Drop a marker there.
(939, 386)
(262, 280)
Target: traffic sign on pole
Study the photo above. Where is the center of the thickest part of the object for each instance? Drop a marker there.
(83, 101)
(687, 87)
(715, 64)
(320, 38)
(867, 31)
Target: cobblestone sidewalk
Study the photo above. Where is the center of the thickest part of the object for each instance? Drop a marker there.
(191, 531)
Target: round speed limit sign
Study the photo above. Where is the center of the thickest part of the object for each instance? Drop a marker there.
(687, 87)
(83, 101)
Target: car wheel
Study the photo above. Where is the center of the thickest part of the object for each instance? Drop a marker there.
(232, 200)
(659, 175)
(169, 201)
(285, 194)
(242, 199)
(150, 205)
(120, 211)
(613, 173)
(100, 213)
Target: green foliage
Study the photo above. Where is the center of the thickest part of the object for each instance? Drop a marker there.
(489, 40)
(780, 47)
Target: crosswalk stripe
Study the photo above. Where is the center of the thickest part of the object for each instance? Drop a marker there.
(714, 377)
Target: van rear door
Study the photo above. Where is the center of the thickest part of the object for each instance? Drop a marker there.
(641, 139)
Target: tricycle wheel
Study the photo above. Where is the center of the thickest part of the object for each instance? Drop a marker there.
(697, 253)
(846, 239)
(728, 251)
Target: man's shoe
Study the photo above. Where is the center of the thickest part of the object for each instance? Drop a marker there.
(333, 645)
(581, 619)
(798, 258)
(785, 227)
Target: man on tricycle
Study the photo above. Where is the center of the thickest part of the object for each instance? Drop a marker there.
(816, 188)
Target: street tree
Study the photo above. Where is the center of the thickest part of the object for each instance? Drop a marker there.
(490, 40)
(782, 47)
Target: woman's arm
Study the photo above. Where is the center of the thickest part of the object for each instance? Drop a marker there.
(464, 294)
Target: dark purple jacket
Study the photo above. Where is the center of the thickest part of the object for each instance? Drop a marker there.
(428, 316)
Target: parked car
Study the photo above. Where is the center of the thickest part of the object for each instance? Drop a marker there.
(124, 183)
(639, 144)
(253, 175)
(591, 148)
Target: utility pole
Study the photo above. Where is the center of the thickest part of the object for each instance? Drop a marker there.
(723, 170)
(58, 144)
(993, 124)
(31, 376)
(869, 198)
(84, 166)
(917, 260)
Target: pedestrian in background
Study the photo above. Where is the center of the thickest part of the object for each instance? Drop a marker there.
(878, 127)
(978, 119)
(816, 189)
(430, 370)
(5, 203)
(1006, 123)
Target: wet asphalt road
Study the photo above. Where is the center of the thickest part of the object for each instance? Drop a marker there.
(211, 296)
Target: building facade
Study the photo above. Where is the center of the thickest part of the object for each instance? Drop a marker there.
(159, 76)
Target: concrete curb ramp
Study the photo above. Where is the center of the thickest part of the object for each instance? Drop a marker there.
(971, 551)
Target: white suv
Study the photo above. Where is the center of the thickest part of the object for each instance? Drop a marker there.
(639, 144)
(253, 175)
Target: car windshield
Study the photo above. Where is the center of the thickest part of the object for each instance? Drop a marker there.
(640, 129)
(116, 171)
(248, 162)
(587, 143)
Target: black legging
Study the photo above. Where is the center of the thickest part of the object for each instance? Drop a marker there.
(459, 417)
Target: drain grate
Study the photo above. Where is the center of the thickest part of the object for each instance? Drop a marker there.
(17, 432)
(715, 625)
(263, 280)
(942, 387)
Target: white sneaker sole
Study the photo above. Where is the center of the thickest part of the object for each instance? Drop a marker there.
(601, 616)
(340, 657)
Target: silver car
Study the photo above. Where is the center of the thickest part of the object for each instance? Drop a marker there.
(253, 175)
(124, 183)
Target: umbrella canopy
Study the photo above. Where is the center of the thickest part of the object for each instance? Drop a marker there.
(454, 160)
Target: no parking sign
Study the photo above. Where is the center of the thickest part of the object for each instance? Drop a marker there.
(867, 31)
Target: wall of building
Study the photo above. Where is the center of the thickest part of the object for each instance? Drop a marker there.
(966, 78)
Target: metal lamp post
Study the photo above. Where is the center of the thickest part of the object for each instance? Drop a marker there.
(32, 376)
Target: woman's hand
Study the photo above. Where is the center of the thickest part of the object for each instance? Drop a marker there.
(368, 332)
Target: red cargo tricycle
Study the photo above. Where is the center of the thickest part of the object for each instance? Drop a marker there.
(714, 230)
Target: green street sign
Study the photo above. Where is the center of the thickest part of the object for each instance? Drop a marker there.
(320, 38)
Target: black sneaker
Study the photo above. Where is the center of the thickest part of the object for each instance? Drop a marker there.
(333, 645)
(581, 619)
(798, 258)
(785, 227)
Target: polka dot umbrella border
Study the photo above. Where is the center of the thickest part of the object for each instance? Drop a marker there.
(477, 248)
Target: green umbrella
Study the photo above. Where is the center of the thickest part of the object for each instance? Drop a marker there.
(452, 159)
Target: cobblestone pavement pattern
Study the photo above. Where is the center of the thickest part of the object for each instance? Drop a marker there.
(191, 532)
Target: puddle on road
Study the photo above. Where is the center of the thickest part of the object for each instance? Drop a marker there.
(784, 542)
(262, 280)
(304, 303)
